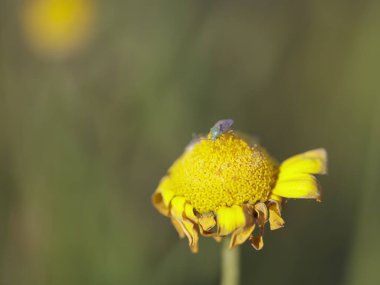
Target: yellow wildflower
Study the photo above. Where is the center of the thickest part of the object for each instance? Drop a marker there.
(224, 184)
(57, 27)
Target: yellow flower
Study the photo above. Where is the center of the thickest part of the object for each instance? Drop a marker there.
(57, 27)
(224, 184)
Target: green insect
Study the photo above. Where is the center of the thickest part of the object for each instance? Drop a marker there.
(220, 127)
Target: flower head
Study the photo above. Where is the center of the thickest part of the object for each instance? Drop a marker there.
(225, 184)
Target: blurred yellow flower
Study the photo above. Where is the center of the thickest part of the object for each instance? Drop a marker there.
(224, 184)
(58, 27)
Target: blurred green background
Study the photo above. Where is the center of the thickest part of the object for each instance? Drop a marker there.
(88, 128)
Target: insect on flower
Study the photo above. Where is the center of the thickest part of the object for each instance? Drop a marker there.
(220, 127)
(226, 185)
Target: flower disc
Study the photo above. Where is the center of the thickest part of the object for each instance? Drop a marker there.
(223, 172)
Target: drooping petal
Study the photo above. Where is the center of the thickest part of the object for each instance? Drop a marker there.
(240, 235)
(178, 227)
(229, 219)
(275, 219)
(162, 197)
(158, 203)
(257, 241)
(262, 213)
(207, 221)
(189, 213)
(165, 189)
(192, 234)
(191, 224)
(178, 206)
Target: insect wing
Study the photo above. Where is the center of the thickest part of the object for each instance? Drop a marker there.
(224, 125)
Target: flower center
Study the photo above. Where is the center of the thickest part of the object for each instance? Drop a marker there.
(223, 172)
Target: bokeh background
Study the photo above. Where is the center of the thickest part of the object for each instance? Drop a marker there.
(98, 98)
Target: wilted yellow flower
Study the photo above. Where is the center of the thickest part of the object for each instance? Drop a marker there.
(57, 27)
(225, 184)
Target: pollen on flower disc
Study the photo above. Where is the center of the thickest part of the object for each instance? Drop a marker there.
(224, 172)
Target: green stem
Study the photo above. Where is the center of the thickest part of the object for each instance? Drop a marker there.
(230, 264)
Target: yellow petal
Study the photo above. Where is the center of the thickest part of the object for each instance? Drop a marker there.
(178, 227)
(289, 176)
(192, 234)
(178, 210)
(313, 162)
(162, 197)
(189, 213)
(240, 235)
(165, 189)
(158, 203)
(306, 187)
(207, 221)
(275, 219)
(178, 207)
(296, 180)
(275, 198)
(229, 219)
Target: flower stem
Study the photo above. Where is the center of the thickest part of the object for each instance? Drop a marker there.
(230, 264)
